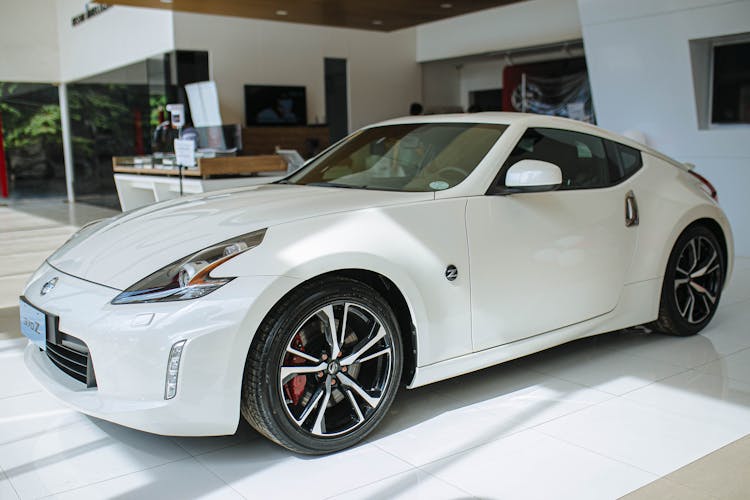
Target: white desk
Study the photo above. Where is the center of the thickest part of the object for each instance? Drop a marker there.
(137, 190)
(138, 185)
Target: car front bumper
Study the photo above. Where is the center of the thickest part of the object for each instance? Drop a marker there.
(129, 346)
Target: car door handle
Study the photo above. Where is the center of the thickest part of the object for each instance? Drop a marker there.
(631, 210)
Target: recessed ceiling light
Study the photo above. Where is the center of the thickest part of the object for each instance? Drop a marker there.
(165, 1)
(446, 5)
(281, 13)
(377, 22)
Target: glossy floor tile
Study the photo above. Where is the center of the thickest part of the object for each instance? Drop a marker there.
(58, 210)
(26, 241)
(531, 465)
(721, 475)
(14, 379)
(178, 480)
(6, 489)
(640, 435)
(698, 395)
(597, 418)
(466, 412)
(80, 454)
(411, 485)
(735, 366)
(609, 370)
(724, 474)
(25, 417)
(261, 469)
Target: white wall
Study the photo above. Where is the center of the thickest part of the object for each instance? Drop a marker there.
(480, 75)
(133, 74)
(441, 85)
(116, 37)
(524, 24)
(384, 77)
(448, 83)
(639, 64)
(28, 41)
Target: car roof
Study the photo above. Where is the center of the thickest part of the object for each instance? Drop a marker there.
(529, 120)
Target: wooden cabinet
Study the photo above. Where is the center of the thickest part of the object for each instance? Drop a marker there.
(308, 141)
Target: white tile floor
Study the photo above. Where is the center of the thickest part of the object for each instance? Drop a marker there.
(594, 419)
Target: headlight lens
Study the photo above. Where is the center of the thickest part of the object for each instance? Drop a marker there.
(189, 278)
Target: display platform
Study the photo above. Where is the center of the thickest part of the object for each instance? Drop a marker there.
(144, 180)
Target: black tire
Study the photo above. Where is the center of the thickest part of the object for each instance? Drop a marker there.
(273, 405)
(676, 315)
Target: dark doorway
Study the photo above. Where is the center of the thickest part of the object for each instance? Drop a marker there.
(486, 100)
(337, 98)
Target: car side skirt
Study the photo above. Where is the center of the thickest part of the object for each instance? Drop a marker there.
(638, 304)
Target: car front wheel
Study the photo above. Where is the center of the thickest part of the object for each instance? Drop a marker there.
(324, 367)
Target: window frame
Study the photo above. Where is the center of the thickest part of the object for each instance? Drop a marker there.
(496, 189)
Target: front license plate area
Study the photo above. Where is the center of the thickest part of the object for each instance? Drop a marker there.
(33, 324)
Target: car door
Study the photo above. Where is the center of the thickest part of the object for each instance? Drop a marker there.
(545, 260)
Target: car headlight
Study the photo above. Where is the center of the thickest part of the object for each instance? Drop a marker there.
(189, 278)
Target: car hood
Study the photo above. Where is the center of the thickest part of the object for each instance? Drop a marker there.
(130, 247)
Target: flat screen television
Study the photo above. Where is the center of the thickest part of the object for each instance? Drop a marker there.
(269, 105)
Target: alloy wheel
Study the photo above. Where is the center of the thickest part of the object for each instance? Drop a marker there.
(335, 370)
(698, 279)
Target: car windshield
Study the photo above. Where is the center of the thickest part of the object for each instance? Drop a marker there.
(409, 157)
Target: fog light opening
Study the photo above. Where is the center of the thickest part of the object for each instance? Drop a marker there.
(173, 369)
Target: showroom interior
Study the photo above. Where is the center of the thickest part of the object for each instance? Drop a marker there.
(93, 96)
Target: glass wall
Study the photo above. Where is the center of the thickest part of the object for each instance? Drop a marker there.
(111, 114)
(30, 114)
(117, 114)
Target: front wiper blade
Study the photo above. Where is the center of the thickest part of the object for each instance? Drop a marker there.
(334, 184)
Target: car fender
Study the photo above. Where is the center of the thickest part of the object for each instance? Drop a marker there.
(410, 245)
(669, 201)
(705, 211)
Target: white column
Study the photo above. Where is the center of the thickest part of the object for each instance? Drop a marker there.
(67, 141)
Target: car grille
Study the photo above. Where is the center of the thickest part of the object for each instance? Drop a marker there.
(71, 355)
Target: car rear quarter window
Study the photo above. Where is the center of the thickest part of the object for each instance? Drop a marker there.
(625, 161)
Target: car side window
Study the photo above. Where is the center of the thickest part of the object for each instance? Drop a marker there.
(582, 158)
(625, 161)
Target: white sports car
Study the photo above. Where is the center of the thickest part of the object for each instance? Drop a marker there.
(412, 251)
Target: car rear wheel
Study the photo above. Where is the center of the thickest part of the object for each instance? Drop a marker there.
(324, 367)
(693, 283)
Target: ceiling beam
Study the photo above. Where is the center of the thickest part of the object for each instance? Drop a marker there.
(378, 15)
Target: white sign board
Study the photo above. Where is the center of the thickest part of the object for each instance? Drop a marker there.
(184, 150)
(204, 104)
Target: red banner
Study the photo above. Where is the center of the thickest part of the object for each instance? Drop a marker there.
(557, 88)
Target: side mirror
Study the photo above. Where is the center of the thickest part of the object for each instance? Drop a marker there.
(533, 176)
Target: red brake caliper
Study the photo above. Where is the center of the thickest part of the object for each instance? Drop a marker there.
(295, 388)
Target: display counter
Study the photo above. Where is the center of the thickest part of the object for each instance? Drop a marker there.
(144, 180)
